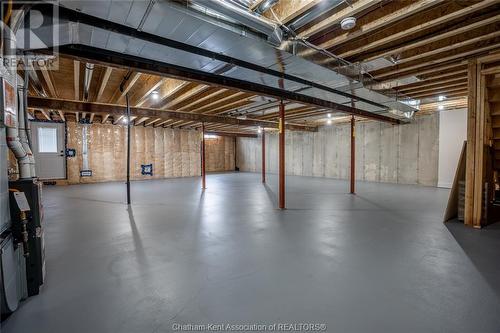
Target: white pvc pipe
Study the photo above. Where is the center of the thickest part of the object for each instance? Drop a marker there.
(13, 141)
(23, 135)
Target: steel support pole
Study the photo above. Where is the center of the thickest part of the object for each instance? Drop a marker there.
(263, 156)
(128, 149)
(282, 157)
(353, 155)
(203, 161)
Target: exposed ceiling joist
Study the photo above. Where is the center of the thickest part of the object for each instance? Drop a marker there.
(119, 110)
(104, 82)
(426, 25)
(107, 57)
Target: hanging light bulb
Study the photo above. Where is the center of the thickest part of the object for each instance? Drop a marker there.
(329, 122)
(259, 129)
(155, 95)
(329, 115)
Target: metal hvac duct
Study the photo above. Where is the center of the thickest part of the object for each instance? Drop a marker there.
(89, 70)
(315, 12)
(246, 18)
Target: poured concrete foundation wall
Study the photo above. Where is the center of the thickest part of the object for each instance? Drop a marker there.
(406, 154)
(173, 153)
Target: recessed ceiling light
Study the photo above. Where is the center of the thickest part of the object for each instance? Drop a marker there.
(155, 94)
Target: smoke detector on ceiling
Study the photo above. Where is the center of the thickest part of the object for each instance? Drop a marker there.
(348, 23)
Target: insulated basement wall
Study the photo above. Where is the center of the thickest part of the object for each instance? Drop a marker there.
(220, 154)
(173, 152)
(406, 154)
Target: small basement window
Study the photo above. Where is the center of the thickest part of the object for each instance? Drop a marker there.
(47, 140)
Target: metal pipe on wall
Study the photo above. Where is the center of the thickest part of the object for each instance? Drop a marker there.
(128, 149)
(22, 90)
(203, 161)
(281, 196)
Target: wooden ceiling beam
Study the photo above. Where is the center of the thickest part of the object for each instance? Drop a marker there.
(449, 47)
(48, 80)
(128, 83)
(148, 93)
(444, 92)
(413, 8)
(61, 115)
(435, 70)
(175, 93)
(335, 19)
(104, 82)
(104, 118)
(434, 87)
(461, 55)
(76, 79)
(152, 122)
(418, 28)
(427, 40)
(119, 110)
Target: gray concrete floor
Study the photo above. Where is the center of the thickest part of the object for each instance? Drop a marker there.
(380, 261)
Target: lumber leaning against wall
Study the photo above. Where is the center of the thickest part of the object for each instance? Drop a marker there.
(173, 152)
(406, 154)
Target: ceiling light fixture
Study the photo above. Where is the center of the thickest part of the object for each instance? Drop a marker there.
(440, 107)
(441, 98)
(348, 23)
(329, 122)
(155, 94)
(259, 130)
(329, 115)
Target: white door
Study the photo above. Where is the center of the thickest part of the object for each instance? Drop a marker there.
(49, 149)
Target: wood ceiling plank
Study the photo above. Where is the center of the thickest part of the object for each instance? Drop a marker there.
(335, 19)
(415, 29)
(76, 79)
(384, 21)
(427, 40)
(104, 82)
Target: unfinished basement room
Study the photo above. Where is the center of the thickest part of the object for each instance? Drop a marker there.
(250, 166)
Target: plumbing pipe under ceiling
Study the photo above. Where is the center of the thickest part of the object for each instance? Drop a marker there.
(89, 69)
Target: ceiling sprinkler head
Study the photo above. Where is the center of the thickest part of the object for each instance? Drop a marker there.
(348, 23)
